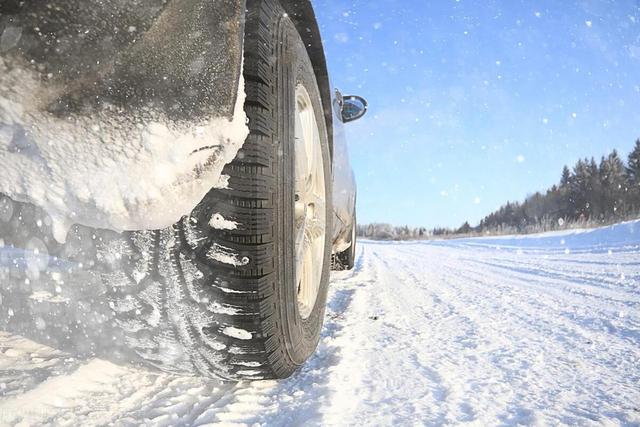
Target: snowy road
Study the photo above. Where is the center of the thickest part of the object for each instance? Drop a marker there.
(539, 330)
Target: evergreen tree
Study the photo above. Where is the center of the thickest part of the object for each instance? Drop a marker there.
(633, 164)
(633, 177)
(464, 229)
(613, 177)
(563, 197)
(565, 179)
(594, 191)
(579, 191)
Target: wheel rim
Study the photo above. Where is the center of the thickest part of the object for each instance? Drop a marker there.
(310, 204)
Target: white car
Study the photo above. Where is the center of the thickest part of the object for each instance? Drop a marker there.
(174, 181)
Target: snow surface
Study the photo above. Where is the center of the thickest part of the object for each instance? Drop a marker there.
(106, 171)
(491, 331)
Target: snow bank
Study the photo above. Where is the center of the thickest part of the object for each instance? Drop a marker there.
(625, 234)
(106, 171)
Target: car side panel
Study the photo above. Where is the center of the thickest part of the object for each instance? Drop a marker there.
(344, 186)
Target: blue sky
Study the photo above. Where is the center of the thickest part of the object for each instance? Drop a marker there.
(473, 103)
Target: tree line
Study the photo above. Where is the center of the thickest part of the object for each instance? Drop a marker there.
(591, 193)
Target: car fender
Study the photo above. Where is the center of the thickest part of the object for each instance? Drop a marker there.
(344, 185)
(179, 58)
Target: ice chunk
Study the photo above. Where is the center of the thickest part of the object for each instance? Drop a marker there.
(241, 334)
(217, 221)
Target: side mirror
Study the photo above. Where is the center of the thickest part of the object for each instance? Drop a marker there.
(353, 107)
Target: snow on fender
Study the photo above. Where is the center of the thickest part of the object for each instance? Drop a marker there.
(105, 171)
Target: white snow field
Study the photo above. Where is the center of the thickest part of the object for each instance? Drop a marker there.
(536, 330)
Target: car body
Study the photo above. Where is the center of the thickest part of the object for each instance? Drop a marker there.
(74, 73)
(344, 185)
(185, 163)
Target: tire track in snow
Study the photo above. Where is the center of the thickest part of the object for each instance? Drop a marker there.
(559, 316)
(515, 307)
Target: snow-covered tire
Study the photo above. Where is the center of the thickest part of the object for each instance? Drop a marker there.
(215, 293)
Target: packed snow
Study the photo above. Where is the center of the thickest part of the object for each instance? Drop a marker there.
(536, 330)
(106, 171)
(219, 222)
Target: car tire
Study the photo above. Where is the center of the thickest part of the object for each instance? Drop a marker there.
(218, 293)
(276, 65)
(347, 258)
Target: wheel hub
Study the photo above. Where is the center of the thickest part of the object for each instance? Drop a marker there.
(310, 204)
